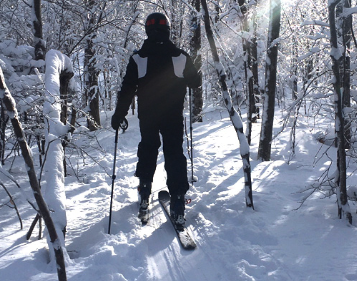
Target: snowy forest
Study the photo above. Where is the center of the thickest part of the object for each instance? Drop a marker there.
(273, 146)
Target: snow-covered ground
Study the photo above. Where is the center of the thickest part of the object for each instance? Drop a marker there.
(276, 241)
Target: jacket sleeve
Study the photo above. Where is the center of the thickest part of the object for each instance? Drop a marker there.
(128, 89)
(193, 78)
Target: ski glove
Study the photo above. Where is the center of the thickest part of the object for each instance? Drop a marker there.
(119, 122)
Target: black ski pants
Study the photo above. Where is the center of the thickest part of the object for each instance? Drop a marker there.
(171, 130)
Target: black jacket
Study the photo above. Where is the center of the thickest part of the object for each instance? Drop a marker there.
(158, 74)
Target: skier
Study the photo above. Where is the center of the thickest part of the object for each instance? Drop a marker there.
(158, 74)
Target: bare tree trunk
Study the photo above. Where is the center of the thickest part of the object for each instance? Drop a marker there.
(266, 134)
(26, 153)
(216, 13)
(32, 226)
(233, 114)
(197, 98)
(294, 69)
(254, 66)
(336, 57)
(73, 119)
(4, 118)
(40, 48)
(251, 67)
(91, 73)
(344, 32)
(176, 21)
(65, 77)
(130, 25)
(248, 74)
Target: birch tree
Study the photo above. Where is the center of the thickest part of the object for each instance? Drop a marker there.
(233, 114)
(4, 118)
(336, 57)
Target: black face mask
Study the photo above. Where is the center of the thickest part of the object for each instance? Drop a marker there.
(159, 35)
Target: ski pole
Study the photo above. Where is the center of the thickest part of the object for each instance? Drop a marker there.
(113, 178)
(123, 125)
(193, 179)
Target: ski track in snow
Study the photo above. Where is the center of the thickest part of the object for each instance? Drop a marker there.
(276, 241)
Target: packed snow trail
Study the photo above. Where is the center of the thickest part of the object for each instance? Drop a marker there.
(277, 241)
(156, 245)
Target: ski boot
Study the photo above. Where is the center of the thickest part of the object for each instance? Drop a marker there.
(177, 210)
(144, 191)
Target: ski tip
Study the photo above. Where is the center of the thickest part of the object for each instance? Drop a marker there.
(163, 194)
(190, 247)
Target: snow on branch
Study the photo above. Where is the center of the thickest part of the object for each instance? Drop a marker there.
(54, 191)
(56, 64)
(315, 22)
(349, 11)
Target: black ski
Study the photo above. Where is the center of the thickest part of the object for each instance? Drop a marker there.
(183, 235)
